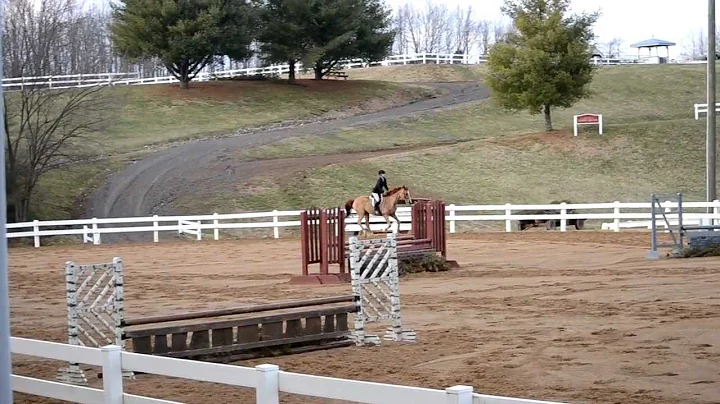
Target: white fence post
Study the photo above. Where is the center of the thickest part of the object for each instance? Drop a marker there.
(96, 235)
(508, 222)
(616, 212)
(563, 217)
(451, 209)
(716, 210)
(459, 395)
(156, 226)
(112, 374)
(199, 230)
(268, 387)
(36, 230)
(216, 231)
(276, 229)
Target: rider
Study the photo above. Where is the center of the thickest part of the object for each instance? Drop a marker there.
(380, 188)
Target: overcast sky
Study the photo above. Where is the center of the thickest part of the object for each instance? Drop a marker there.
(631, 20)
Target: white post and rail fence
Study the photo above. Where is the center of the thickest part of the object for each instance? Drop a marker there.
(612, 216)
(267, 380)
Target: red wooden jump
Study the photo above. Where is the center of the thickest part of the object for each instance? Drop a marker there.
(322, 240)
(322, 233)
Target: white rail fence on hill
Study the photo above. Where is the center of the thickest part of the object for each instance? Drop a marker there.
(267, 380)
(617, 215)
(80, 80)
(87, 80)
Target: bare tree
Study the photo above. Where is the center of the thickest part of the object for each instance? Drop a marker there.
(46, 130)
(612, 48)
(697, 48)
(402, 22)
(500, 31)
(467, 30)
(60, 37)
(484, 39)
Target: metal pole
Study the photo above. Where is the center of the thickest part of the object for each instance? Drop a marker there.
(710, 138)
(653, 227)
(6, 395)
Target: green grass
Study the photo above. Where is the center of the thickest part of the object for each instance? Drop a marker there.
(149, 115)
(157, 114)
(651, 144)
(60, 193)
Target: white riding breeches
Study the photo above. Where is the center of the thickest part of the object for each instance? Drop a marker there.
(376, 198)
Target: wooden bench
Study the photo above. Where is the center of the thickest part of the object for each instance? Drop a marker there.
(337, 73)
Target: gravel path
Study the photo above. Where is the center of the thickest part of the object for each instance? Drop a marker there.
(146, 186)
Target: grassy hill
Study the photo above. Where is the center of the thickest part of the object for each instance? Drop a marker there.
(155, 115)
(651, 144)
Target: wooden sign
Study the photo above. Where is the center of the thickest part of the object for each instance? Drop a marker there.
(587, 119)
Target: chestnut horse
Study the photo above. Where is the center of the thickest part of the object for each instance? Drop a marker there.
(364, 206)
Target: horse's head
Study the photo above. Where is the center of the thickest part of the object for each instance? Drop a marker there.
(400, 193)
(403, 193)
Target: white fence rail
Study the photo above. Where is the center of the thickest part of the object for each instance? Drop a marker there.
(267, 380)
(616, 215)
(703, 109)
(84, 80)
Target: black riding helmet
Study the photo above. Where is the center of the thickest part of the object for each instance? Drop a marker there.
(381, 172)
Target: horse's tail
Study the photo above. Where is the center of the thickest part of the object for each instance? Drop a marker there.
(348, 206)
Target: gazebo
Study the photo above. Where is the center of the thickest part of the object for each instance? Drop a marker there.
(654, 43)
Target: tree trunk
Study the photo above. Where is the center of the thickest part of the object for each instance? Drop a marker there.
(291, 73)
(318, 72)
(184, 75)
(548, 119)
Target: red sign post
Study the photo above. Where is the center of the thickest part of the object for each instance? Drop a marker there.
(587, 119)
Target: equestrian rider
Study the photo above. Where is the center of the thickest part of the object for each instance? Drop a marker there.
(377, 192)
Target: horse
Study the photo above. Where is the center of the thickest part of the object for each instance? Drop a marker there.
(365, 207)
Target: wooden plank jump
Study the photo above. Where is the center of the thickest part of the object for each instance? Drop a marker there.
(323, 240)
(319, 324)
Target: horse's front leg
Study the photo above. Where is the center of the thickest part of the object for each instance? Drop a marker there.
(389, 225)
(394, 215)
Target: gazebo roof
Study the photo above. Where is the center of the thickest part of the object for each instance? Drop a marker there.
(652, 43)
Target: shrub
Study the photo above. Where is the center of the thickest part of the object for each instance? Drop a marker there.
(423, 263)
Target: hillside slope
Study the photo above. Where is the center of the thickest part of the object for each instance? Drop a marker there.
(651, 144)
(147, 117)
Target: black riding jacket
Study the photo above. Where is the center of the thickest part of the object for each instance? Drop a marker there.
(380, 186)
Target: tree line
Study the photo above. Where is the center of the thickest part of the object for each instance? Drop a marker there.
(436, 28)
(60, 37)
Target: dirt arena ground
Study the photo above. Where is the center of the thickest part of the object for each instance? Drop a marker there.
(578, 317)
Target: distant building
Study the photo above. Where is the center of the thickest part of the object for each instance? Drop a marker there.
(651, 44)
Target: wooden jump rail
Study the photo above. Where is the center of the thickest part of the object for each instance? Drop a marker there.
(323, 240)
(229, 340)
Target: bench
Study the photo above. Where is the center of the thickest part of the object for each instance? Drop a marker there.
(337, 73)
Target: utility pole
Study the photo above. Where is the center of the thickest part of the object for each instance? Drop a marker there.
(6, 395)
(710, 138)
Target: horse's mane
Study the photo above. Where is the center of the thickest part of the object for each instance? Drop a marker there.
(394, 191)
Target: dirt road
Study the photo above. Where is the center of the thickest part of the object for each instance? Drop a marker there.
(148, 184)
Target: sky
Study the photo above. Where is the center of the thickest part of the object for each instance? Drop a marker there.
(631, 20)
